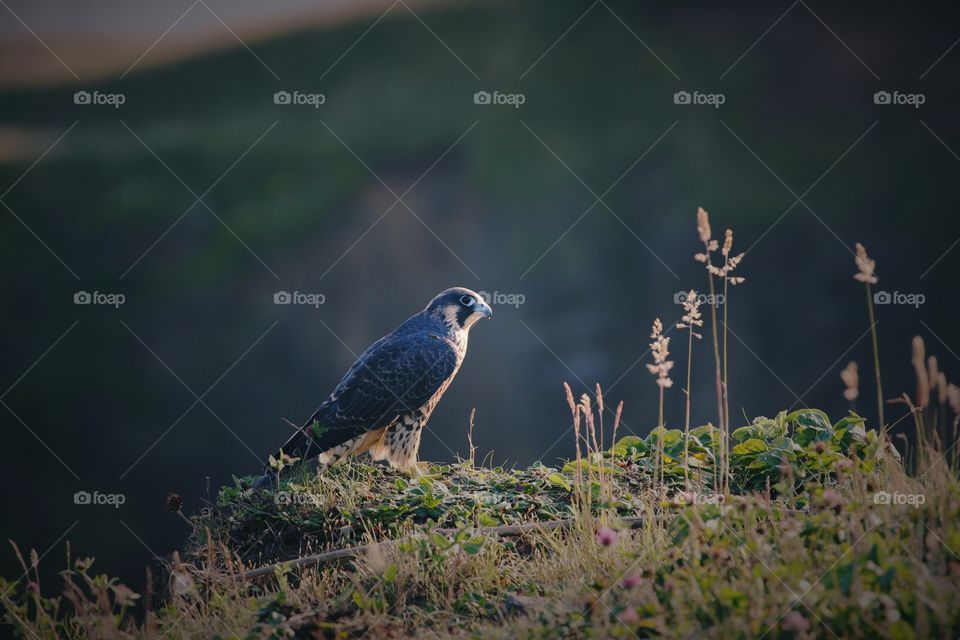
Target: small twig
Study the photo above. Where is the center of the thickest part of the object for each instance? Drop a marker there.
(473, 449)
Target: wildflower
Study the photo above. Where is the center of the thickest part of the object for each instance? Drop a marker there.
(606, 537)
(794, 621)
(865, 266)
(691, 313)
(832, 499)
(851, 379)
(660, 348)
(843, 465)
(631, 580)
(629, 616)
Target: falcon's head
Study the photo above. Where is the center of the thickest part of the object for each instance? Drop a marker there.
(459, 307)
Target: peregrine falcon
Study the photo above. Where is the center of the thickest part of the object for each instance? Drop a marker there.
(384, 400)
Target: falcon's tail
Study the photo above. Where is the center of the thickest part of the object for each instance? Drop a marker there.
(305, 445)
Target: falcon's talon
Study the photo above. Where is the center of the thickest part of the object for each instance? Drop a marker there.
(383, 402)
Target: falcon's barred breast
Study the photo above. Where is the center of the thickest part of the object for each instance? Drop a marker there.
(383, 401)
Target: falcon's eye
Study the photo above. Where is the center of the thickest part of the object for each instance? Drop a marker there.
(467, 301)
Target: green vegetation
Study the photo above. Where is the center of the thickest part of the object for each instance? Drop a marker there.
(824, 530)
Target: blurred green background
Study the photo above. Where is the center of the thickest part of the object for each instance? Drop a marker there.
(296, 198)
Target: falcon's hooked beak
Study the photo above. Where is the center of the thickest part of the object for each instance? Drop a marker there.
(484, 309)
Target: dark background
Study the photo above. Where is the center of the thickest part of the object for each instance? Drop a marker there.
(91, 407)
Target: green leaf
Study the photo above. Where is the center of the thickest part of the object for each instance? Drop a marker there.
(849, 435)
(846, 421)
(390, 574)
(708, 435)
(486, 520)
(631, 445)
(901, 630)
(753, 445)
(670, 436)
(559, 480)
(584, 465)
(473, 546)
(812, 425)
(317, 430)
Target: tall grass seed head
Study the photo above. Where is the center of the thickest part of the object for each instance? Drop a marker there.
(851, 379)
(919, 365)
(953, 397)
(703, 225)
(865, 266)
(691, 317)
(660, 350)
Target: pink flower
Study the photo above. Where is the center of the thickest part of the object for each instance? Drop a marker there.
(631, 580)
(843, 465)
(794, 621)
(629, 616)
(606, 536)
(832, 499)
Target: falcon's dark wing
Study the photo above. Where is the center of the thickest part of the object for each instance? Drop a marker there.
(396, 375)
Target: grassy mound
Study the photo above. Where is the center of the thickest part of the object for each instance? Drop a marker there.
(821, 534)
(362, 502)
